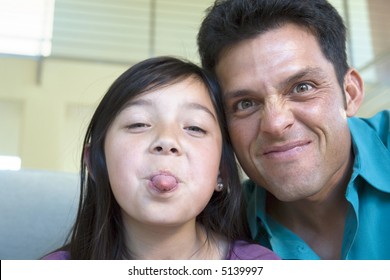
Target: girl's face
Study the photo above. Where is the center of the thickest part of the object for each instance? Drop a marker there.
(163, 153)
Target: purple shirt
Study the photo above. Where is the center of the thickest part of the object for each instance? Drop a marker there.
(58, 255)
(239, 250)
(242, 250)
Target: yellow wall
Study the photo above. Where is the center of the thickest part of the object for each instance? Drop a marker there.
(44, 121)
(44, 111)
(43, 117)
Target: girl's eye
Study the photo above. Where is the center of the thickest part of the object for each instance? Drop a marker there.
(244, 104)
(137, 126)
(301, 88)
(195, 129)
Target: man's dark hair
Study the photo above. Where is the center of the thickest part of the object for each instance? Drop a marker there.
(228, 22)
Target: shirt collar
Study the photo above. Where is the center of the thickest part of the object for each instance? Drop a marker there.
(256, 207)
(257, 218)
(372, 157)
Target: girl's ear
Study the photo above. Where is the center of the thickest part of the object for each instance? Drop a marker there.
(87, 160)
(354, 91)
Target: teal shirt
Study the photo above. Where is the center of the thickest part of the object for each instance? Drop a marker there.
(367, 226)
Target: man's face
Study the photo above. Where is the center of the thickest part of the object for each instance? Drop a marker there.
(287, 113)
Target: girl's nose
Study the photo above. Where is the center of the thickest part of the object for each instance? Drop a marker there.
(166, 143)
(165, 148)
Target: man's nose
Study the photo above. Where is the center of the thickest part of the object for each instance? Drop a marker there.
(276, 118)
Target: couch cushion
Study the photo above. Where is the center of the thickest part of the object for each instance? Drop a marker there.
(37, 211)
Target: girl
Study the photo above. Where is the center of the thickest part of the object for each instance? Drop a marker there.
(159, 178)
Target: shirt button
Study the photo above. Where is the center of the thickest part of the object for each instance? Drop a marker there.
(301, 248)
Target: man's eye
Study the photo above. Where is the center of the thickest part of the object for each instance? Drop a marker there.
(245, 104)
(302, 88)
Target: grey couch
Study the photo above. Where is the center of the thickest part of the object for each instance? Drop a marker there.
(37, 210)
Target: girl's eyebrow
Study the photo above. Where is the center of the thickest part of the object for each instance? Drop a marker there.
(187, 105)
(197, 106)
(138, 102)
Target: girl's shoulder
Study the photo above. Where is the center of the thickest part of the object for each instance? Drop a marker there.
(243, 250)
(58, 255)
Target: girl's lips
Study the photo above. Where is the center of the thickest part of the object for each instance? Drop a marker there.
(164, 182)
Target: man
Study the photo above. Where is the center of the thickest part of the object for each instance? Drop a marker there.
(319, 183)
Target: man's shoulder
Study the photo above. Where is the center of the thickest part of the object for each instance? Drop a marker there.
(378, 124)
(371, 142)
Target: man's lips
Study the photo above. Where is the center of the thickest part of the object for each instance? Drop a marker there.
(284, 148)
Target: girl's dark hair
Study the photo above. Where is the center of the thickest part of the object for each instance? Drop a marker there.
(98, 232)
(228, 22)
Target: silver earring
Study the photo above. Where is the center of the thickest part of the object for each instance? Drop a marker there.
(219, 184)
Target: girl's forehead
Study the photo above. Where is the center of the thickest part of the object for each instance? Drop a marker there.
(184, 97)
(186, 89)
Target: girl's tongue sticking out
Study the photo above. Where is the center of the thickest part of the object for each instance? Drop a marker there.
(164, 182)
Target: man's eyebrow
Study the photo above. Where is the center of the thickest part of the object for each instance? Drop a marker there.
(306, 72)
(237, 93)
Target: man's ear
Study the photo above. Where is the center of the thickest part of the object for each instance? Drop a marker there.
(354, 91)
(87, 160)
